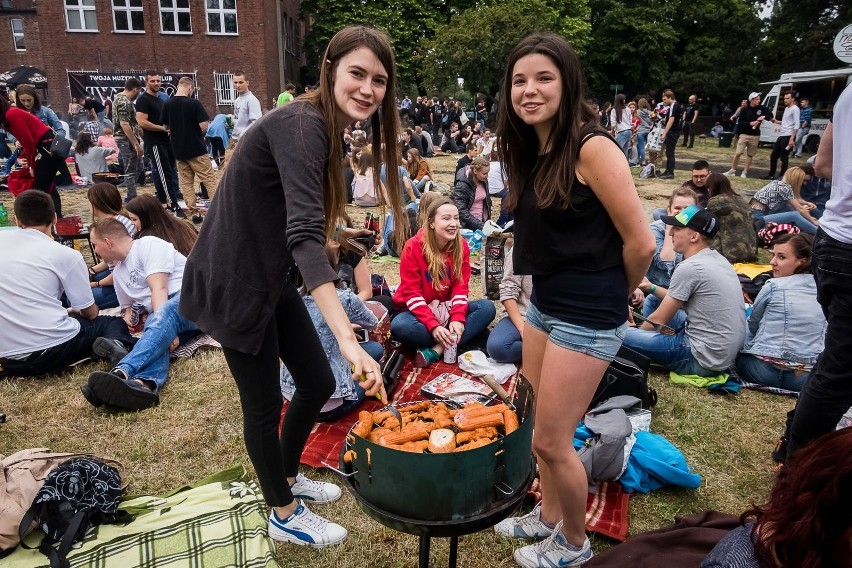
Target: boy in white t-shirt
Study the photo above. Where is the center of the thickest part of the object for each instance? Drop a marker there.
(148, 271)
(38, 335)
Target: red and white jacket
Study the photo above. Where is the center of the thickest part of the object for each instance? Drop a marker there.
(416, 291)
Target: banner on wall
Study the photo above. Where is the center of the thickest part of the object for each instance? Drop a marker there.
(105, 84)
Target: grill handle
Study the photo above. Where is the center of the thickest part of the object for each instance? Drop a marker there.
(337, 471)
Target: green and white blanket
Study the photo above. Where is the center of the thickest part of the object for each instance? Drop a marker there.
(219, 521)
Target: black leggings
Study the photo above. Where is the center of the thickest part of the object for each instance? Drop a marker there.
(290, 337)
(45, 175)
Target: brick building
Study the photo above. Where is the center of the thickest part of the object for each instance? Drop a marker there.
(211, 38)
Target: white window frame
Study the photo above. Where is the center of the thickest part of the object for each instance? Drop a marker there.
(129, 10)
(81, 9)
(223, 84)
(175, 10)
(18, 35)
(221, 12)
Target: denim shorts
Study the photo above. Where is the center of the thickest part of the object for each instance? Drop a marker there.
(598, 343)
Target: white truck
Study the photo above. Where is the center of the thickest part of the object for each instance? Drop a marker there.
(821, 88)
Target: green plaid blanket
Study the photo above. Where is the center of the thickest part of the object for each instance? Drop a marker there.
(219, 521)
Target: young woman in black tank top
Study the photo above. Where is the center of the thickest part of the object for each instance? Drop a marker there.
(581, 232)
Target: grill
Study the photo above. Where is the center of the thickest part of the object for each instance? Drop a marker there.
(444, 495)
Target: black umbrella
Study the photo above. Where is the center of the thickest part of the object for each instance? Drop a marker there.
(24, 75)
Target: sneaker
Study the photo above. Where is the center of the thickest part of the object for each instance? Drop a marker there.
(425, 357)
(90, 396)
(731, 172)
(112, 350)
(529, 526)
(178, 212)
(114, 389)
(305, 528)
(553, 551)
(779, 454)
(666, 175)
(182, 204)
(768, 177)
(314, 491)
(744, 174)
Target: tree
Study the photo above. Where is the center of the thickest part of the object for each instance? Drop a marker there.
(406, 22)
(476, 42)
(800, 36)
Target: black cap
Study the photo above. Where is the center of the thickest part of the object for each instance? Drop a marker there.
(695, 218)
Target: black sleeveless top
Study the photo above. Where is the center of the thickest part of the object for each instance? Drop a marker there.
(574, 256)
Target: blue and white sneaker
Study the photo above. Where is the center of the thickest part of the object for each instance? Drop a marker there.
(529, 526)
(553, 552)
(314, 491)
(305, 529)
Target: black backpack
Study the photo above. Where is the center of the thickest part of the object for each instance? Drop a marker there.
(627, 374)
(79, 494)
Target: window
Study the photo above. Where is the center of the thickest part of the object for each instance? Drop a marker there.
(80, 16)
(174, 17)
(18, 34)
(222, 17)
(225, 91)
(127, 16)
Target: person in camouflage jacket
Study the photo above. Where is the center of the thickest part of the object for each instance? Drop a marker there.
(736, 239)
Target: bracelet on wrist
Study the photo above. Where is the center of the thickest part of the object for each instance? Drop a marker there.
(98, 283)
(653, 289)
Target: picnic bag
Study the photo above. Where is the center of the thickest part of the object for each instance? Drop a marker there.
(19, 181)
(772, 231)
(77, 495)
(655, 139)
(22, 477)
(494, 252)
(627, 374)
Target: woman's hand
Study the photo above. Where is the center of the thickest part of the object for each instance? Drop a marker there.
(365, 369)
(457, 327)
(442, 335)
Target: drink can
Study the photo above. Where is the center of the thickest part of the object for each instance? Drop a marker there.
(368, 220)
(451, 352)
(136, 312)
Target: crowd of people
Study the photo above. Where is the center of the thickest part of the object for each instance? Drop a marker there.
(277, 274)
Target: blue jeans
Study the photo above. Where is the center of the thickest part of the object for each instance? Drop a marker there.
(105, 295)
(149, 359)
(671, 351)
(504, 342)
(641, 141)
(408, 330)
(374, 349)
(760, 218)
(623, 140)
(505, 216)
(756, 370)
(419, 186)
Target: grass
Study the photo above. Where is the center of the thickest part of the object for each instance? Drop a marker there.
(197, 430)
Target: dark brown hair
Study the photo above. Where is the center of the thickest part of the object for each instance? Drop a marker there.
(84, 143)
(518, 144)
(157, 223)
(105, 197)
(802, 244)
(34, 208)
(386, 119)
(808, 521)
(28, 90)
(718, 184)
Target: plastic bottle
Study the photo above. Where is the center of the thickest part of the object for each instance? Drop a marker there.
(475, 242)
(4, 216)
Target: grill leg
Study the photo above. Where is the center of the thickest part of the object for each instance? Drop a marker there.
(454, 551)
(424, 551)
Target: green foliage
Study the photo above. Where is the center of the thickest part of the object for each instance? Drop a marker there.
(800, 35)
(475, 43)
(406, 22)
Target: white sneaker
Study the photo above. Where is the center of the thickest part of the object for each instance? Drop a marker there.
(553, 551)
(314, 491)
(528, 526)
(182, 204)
(731, 172)
(305, 529)
(744, 174)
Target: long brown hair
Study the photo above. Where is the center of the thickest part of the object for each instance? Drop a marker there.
(807, 521)
(435, 255)
(385, 120)
(718, 184)
(105, 198)
(27, 90)
(518, 145)
(157, 223)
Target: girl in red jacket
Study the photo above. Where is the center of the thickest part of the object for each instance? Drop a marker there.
(432, 296)
(34, 138)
